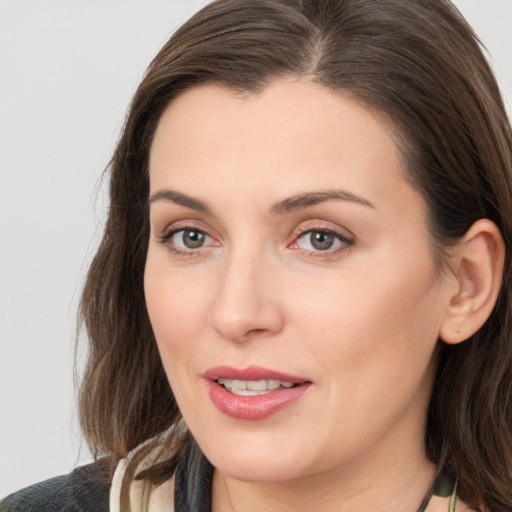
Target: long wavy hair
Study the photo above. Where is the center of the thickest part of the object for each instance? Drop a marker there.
(420, 65)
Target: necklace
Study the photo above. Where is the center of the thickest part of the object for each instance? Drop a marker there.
(444, 485)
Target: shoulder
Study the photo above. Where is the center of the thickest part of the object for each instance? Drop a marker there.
(86, 489)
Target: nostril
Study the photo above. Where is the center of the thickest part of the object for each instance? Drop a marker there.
(256, 331)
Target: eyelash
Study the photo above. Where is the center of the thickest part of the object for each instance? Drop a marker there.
(345, 241)
(166, 237)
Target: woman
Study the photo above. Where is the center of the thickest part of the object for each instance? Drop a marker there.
(302, 297)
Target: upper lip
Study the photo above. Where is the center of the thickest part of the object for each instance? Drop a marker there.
(251, 373)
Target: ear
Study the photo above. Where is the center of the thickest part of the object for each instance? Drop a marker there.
(478, 268)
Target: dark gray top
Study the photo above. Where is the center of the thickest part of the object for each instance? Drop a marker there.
(86, 489)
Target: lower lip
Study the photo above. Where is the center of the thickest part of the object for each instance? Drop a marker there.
(254, 407)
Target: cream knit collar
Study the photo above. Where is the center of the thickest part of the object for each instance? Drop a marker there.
(144, 496)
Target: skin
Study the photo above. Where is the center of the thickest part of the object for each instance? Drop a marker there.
(361, 320)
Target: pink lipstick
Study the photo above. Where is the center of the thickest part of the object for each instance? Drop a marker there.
(253, 393)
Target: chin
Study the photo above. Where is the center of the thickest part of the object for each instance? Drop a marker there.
(261, 461)
(252, 471)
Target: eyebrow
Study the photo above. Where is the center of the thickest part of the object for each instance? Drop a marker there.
(291, 204)
(301, 201)
(181, 199)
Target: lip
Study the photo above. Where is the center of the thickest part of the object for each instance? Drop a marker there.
(253, 407)
(251, 373)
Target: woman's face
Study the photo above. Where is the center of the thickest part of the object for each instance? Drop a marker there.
(289, 256)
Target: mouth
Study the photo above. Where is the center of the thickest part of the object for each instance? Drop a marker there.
(253, 393)
(254, 387)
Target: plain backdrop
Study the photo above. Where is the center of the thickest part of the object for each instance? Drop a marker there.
(68, 69)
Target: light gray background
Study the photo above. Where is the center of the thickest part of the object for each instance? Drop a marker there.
(67, 71)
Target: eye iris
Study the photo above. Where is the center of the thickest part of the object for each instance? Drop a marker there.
(321, 240)
(193, 239)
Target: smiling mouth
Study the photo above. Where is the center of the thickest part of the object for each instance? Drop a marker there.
(253, 392)
(254, 387)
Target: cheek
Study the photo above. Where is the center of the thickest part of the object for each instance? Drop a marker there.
(177, 307)
(381, 322)
(178, 311)
(374, 339)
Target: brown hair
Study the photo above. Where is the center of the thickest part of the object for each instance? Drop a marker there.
(418, 63)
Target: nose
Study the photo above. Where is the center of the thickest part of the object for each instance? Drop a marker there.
(246, 304)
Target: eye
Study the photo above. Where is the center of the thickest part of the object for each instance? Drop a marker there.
(318, 240)
(190, 238)
(186, 239)
(321, 240)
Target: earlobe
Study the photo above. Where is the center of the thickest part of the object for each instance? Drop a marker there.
(478, 268)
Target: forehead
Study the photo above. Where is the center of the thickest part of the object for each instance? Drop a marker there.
(284, 111)
(291, 136)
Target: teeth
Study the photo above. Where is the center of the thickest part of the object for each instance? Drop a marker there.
(247, 392)
(273, 384)
(253, 387)
(239, 384)
(257, 385)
